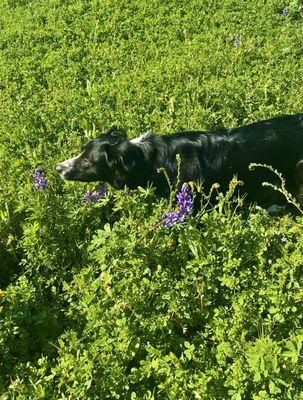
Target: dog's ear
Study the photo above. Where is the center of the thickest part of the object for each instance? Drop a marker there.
(128, 161)
(112, 152)
(117, 133)
(112, 149)
(119, 158)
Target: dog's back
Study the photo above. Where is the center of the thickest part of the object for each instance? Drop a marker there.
(217, 156)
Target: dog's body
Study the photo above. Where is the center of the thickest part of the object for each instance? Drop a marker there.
(205, 157)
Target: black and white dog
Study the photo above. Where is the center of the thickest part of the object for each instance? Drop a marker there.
(207, 157)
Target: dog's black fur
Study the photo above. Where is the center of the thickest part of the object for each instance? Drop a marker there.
(208, 157)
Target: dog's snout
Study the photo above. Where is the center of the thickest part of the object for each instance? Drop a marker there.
(59, 168)
(66, 168)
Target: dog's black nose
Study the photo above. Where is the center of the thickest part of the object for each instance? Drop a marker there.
(59, 168)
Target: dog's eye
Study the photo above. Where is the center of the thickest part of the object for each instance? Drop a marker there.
(86, 161)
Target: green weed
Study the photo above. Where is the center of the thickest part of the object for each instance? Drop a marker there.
(97, 303)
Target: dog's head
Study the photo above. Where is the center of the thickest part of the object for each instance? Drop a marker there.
(102, 159)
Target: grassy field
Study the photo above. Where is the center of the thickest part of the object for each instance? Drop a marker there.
(97, 303)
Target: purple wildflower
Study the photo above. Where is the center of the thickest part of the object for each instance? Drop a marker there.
(98, 194)
(285, 11)
(185, 205)
(237, 40)
(39, 179)
(283, 239)
(184, 200)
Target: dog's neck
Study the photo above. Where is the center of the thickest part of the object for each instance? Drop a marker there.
(143, 143)
(134, 166)
(141, 138)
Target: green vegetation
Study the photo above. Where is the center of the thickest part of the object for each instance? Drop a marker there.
(96, 301)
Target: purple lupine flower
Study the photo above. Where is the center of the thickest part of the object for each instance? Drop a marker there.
(237, 40)
(39, 179)
(285, 11)
(98, 194)
(283, 239)
(185, 205)
(170, 219)
(184, 200)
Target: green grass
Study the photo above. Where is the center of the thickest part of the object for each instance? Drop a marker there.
(95, 302)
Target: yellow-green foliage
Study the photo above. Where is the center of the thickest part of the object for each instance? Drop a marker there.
(97, 300)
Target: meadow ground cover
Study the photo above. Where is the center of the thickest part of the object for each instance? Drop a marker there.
(97, 300)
